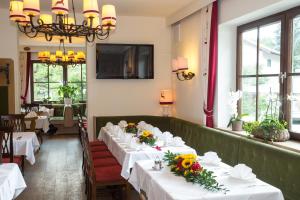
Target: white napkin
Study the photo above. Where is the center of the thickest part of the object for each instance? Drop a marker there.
(114, 129)
(148, 127)
(156, 132)
(243, 172)
(31, 115)
(122, 124)
(211, 158)
(43, 109)
(108, 125)
(167, 137)
(177, 142)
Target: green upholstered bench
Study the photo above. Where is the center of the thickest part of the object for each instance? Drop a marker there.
(277, 166)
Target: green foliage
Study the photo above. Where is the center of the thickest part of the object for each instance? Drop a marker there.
(67, 91)
(204, 177)
(147, 140)
(131, 128)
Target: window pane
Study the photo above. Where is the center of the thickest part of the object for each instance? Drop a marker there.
(78, 93)
(56, 74)
(40, 91)
(84, 92)
(84, 72)
(40, 72)
(74, 73)
(295, 104)
(53, 91)
(268, 88)
(249, 52)
(296, 45)
(269, 48)
(249, 97)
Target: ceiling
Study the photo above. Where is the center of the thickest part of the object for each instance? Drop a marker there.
(157, 8)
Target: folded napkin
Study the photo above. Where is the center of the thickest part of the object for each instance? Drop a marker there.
(43, 109)
(177, 142)
(32, 114)
(122, 124)
(108, 125)
(243, 172)
(114, 129)
(148, 127)
(211, 158)
(156, 132)
(167, 138)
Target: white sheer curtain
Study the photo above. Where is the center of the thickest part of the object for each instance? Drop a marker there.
(204, 52)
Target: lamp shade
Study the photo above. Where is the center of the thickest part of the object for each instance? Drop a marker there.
(25, 21)
(59, 54)
(80, 56)
(44, 55)
(174, 65)
(60, 7)
(90, 8)
(166, 97)
(182, 63)
(95, 22)
(16, 11)
(47, 19)
(71, 55)
(53, 58)
(31, 7)
(109, 18)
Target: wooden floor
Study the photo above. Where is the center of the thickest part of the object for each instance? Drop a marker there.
(57, 173)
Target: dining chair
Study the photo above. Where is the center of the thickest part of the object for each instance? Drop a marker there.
(1, 142)
(16, 121)
(7, 148)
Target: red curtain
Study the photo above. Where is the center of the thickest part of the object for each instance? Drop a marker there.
(213, 63)
(28, 72)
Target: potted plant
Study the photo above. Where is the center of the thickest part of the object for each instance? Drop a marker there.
(67, 92)
(235, 121)
(271, 128)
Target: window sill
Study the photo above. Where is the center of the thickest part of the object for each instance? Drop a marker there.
(291, 145)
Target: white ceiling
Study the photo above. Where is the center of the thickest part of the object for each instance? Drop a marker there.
(159, 8)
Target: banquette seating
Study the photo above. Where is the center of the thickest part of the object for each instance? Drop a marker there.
(271, 164)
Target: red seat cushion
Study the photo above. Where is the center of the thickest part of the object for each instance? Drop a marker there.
(108, 174)
(101, 154)
(98, 148)
(101, 162)
(17, 160)
(97, 143)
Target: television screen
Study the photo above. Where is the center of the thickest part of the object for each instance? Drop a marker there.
(124, 61)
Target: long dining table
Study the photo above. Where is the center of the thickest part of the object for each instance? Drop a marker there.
(127, 156)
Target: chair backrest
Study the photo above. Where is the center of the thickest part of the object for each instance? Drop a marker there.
(32, 121)
(30, 107)
(16, 121)
(7, 148)
(1, 143)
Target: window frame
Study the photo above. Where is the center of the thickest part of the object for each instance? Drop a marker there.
(286, 18)
(65, 81)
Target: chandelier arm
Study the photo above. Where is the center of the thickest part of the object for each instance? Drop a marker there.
(48, 37)
(88, 37)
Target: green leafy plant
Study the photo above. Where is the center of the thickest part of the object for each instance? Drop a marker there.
(131, 128)
(67, 91)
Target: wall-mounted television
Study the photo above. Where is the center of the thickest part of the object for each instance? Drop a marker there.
(125, 61)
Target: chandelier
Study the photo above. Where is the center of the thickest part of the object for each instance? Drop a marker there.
(27, 15)
(62, 57)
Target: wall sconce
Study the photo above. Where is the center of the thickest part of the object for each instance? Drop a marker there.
(5, 69)
(166, 99)
(180, 66)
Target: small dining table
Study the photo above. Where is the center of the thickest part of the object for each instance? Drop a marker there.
(42, 122)
(164, 185)
(26, 144)
(11, 181)
(127, 156)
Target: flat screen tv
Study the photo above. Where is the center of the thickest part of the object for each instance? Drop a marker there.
(124, 61)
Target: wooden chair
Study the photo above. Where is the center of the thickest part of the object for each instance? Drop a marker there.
(103, 174)
(32, 128)
(7, 148)
(1, 143)
(16, 121)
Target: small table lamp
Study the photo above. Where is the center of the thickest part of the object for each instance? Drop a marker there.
(166, 99)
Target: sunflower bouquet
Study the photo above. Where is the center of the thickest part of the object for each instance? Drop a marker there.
(186, 165)
(147, 137)
(131, 128)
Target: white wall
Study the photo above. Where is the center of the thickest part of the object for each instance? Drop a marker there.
(189, 96)
(9, 49)
(131, 97)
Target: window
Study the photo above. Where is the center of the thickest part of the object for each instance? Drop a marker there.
(268, 67)
(46, 81)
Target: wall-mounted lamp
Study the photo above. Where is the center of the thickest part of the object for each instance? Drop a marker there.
(166, 99)
(180, 66)
(5, 70)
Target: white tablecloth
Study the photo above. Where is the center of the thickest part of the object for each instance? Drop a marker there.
(26, 143)
(11, 181)
(42, 122)
(164, 185)
(127, 157)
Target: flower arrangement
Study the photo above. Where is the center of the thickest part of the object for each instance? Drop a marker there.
(236, 119)
(131, 128)
(186, 165)
(147, 137)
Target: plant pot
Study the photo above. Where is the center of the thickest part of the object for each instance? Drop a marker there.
(275, 136)
(237, 125)
(68, 101)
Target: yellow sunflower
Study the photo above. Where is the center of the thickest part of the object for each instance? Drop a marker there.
(187, 163)
(146, 133)
(131, 124)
